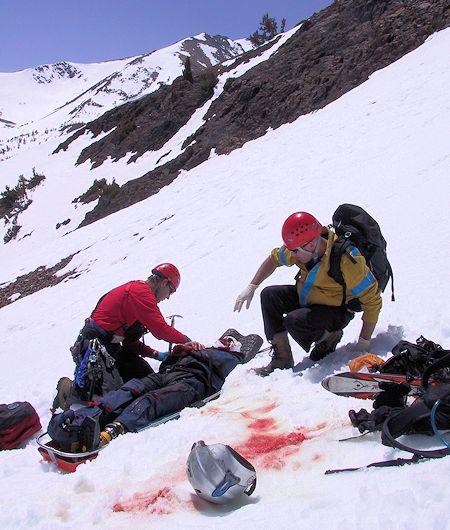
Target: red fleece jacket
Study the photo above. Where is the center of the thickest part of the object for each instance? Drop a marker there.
(122, 306)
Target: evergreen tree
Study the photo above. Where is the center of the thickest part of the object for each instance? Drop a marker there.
(255, 39)
(268, 28)
(187, 71)
(283, 25)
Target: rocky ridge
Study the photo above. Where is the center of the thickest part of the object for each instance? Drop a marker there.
(333, 52)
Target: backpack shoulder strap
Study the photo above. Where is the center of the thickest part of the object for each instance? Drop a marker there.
(391, 275)
(98, 303)
(340, 246)
(403, 421)
(443, 362)
(408, 419)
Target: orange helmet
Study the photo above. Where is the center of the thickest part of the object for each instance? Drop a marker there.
(299, 229)
(169, 271)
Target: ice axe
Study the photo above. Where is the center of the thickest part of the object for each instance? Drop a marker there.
(172, 322)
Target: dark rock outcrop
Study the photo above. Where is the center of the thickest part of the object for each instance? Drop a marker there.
(35, 281)
(333, 52)
(143, 125)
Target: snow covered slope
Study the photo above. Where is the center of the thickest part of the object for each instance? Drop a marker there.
(384, 146)
(84, 91)
(33, 145)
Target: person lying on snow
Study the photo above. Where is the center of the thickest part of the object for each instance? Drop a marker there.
(191, 373)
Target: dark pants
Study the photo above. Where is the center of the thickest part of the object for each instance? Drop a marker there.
(135, 404)
(131, 365)
(163, 394)
(282, 312)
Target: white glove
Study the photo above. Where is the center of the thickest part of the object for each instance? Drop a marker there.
(361, 345)
(246, 295)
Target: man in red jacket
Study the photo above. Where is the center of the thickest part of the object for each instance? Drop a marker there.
(119, 321)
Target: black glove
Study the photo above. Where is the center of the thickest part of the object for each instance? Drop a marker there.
(392, 395)
(373, 421)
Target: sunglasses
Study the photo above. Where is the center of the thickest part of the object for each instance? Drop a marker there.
(299, 249)
(171, 287)
(303, 248)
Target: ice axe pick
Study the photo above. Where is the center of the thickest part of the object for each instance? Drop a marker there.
(172, 322)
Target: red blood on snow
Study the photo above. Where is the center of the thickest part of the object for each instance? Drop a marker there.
(263, 444)
(250, 414)
(158, 503)
(265, 447)
(264, 424)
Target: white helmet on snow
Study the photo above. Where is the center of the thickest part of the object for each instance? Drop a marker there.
(218, 473)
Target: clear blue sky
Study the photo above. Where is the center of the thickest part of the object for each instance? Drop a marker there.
(35, 32)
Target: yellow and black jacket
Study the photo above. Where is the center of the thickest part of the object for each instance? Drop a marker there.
(317, 287)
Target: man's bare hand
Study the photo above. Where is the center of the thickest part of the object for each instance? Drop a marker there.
(179, 350)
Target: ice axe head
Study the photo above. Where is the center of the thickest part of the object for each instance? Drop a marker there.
(172, 319)
(172, 322)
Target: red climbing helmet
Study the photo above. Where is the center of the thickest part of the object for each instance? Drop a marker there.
(299, 229)
(169, 271)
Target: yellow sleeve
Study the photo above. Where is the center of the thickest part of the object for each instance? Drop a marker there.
(362, 284)
(282, 256)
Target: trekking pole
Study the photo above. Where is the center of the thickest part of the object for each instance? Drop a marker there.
(172, 322)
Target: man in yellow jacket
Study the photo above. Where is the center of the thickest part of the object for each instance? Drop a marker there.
(311, 311)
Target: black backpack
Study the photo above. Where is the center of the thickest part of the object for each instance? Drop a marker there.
(428, 415)
(354, 226)
(417, 360)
